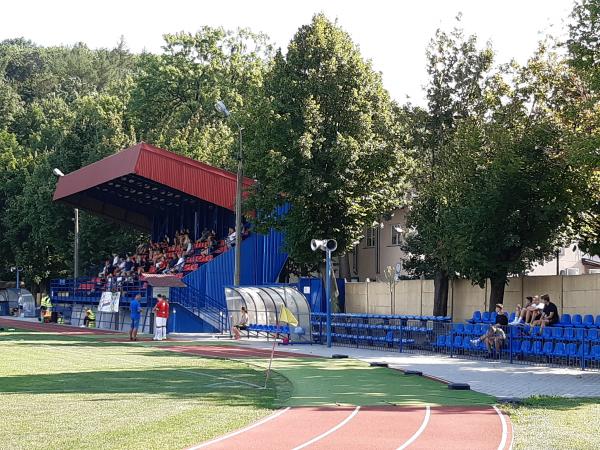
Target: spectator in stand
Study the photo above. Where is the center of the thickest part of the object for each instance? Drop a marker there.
(529, 312)
(115, 261)
(230, 241)
(128, 264)
(521, 311)
(106, 270)
(501, 317)
(210, 247)
(179, 263)
(550, 315)
(495, 335)
(186, 244)
(204, 235)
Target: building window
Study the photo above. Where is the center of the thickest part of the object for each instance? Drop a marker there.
(397, 231)
(370, 237)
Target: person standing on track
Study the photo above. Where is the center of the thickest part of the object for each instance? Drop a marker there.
(161, 310)
(135, 314)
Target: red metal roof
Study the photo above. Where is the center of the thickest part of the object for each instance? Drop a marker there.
(178, 172)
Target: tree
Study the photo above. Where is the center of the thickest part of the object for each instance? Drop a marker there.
(325, 144)
(458, 75)
(584, 47)
(172, 103)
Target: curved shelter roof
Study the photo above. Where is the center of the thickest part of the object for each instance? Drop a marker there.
(264, 303)
(136, 183)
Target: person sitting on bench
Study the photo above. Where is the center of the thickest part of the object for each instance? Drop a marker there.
(242, 324)
(89, 321)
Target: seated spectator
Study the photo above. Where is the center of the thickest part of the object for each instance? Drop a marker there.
(210, 248)
(106, 270)
(550, 315)
(529, 312)
(115, 261)
(230, 240)
(501, 317)
(494, 337)
(204, 235)
(128, 264)
(179, 263)
(521, 311)
(187, 245)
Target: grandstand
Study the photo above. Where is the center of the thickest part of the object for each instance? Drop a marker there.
(160, 193)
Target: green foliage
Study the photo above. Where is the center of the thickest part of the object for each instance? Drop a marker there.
(326, 143)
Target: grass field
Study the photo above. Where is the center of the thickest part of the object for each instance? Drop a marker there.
(79, 392)
(60, 391)
(561, 423)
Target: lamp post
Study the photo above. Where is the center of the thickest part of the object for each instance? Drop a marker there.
(58, 173)
(328, 246)
(18, 270)
(222, 109)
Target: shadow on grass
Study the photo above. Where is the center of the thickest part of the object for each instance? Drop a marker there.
(222, 386)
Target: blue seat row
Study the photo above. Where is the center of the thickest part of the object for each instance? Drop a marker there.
(284, 329)
(388, 317)
(566, 320)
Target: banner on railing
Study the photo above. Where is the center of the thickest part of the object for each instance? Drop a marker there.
(109, 302)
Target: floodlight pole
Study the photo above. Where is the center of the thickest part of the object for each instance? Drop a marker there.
(222, 109)
(328, 295)
(76, 246)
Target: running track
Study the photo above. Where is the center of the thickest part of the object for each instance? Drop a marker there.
(373, 427)
(367, 427)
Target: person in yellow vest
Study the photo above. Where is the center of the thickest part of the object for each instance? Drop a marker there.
(89, 320)
(46, 302)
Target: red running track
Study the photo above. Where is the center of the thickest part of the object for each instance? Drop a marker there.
(373, 427)
(38, 326)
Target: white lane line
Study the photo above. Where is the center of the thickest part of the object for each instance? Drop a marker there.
(243, 430)
(504, 428)
(332, 430)
(414, 437)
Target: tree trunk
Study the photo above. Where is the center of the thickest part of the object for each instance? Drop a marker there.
(497, 285)
(440, 295)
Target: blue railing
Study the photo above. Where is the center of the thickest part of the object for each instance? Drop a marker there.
(571, 347)
(89, 290)
(205, 307)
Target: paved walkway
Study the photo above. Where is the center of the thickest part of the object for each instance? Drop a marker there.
(496, 378)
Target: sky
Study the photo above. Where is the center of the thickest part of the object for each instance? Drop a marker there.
(393, 33)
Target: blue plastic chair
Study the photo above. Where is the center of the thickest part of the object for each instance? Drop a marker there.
(565, 321)
(593, 335)
(571, 350)
(588, 321)
(458, 328)
(597, 322)
(468, 330)
(595, 353)
(560, 350)
(568, 334)
(476, 317)
(576, 321)
(485, 317)
(458, 342)
(493, 316)
(525, 348)
(536, 348)
(548, 348)
(440, 342)
(579, 334)
(547, 333)
(512, 317)
(557, 333)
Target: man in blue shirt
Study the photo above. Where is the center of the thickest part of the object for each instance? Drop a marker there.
(136, 313)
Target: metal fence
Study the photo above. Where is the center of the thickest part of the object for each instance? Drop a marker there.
(555, 346)
(89, 290)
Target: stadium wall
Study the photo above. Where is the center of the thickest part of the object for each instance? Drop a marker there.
(579, 294)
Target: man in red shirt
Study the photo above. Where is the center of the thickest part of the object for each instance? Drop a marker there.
(161, 311)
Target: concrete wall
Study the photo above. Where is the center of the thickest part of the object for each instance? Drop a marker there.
(572, 294)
